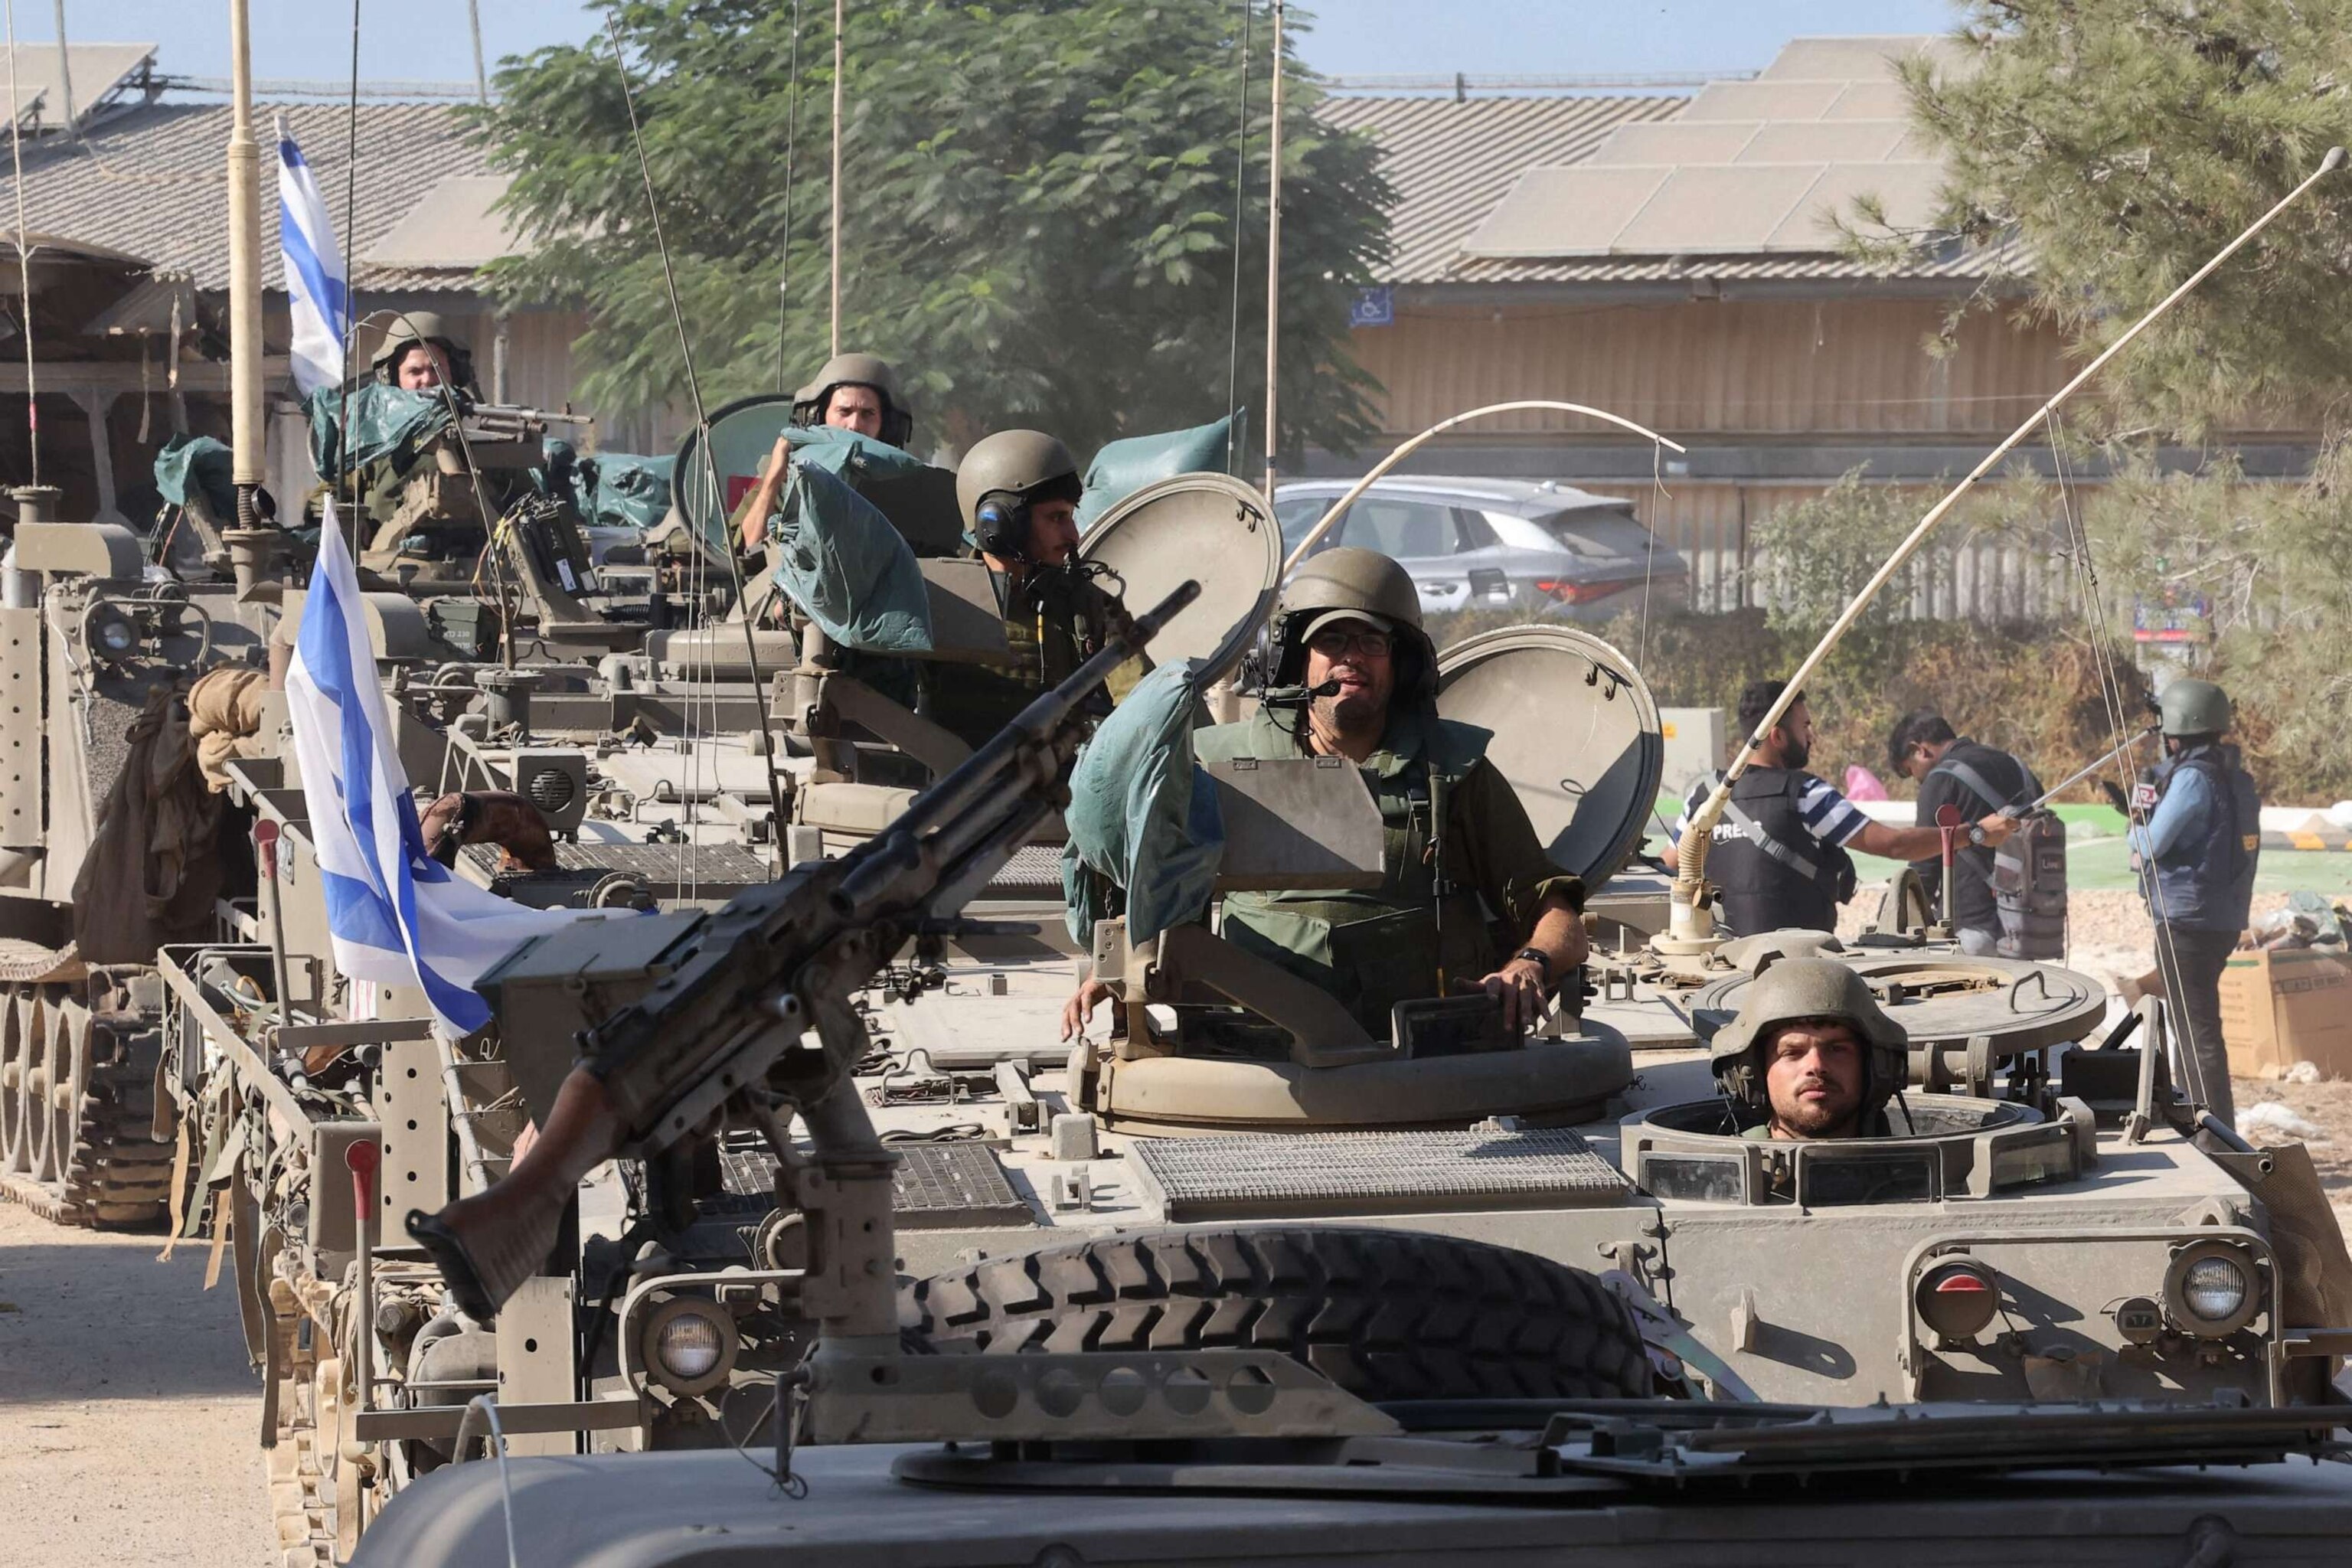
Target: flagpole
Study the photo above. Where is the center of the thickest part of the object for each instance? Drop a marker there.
(243, 271)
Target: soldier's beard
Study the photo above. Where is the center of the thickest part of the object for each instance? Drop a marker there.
(1804, 1118)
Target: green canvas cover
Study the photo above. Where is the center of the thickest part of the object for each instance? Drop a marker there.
(1142, 817)
(1125, 466)
(197, 465)
(613, 490)
(842, 563)
(385, 421)
(740, 440)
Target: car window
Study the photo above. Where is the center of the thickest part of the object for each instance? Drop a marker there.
(1597, 530)
(1402, 529)
(1295, 516)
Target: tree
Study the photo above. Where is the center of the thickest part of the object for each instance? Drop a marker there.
(2122, 143)
(1038, 198)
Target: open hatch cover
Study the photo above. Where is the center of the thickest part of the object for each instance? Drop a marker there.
(1208, 527)
(1576, 733)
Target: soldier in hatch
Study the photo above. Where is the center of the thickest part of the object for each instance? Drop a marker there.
(1350, 622)
(417, 354)
(1811, 1054)
(852, 392)
(1018, 491)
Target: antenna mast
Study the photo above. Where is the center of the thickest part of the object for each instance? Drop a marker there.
(243, 269)
(838, 8)
(1274, 266)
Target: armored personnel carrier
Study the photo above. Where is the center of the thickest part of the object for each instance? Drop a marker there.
(2046, 1296)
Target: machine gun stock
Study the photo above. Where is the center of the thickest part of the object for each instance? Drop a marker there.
(739, 988)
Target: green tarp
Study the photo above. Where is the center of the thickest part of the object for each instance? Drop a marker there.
(1123, 468)
(385, 421)
(198, 465)
(842, 563)
(1143, 817)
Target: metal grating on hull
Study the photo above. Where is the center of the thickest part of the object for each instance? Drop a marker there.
(938, 1186)
(661, 865)
(1314, 1174)
(1034, 871)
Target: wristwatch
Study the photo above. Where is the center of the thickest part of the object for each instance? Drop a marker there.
(1540, 957)
(1976, 834)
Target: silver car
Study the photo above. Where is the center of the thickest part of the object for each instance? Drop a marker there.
(1539, 548)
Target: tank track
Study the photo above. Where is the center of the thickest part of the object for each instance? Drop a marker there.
(77, 1062)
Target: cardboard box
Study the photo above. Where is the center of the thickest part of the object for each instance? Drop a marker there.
(2285, 1007)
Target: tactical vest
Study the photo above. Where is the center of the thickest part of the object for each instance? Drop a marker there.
(1371, 948)
(2028, 872)
(2207, 882)
(1053, 624)
(1773, 873)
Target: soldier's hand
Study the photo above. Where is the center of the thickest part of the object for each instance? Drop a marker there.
(1091, 993)
(1520, 983)
(778, 456)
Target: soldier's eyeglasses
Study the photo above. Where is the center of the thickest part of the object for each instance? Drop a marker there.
(1338, 645)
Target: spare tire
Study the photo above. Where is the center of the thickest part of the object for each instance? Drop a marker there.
(1384, 1314)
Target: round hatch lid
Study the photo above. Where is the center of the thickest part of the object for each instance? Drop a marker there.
(1210, 527)
(1575, 731)
(1946, 999)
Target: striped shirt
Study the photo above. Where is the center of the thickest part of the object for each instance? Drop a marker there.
(1828, 816)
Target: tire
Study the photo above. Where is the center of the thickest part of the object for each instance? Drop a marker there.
(1384, 1314)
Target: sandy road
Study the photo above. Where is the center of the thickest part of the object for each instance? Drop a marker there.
(128, 1417)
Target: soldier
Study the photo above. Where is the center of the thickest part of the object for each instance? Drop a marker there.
(1350, 621)
(860, 393)
(1953, 770)
(1779, 851)
(852, 392)
(1018, 491)
(2196, 852)
(1810, 1055)
(417, 354)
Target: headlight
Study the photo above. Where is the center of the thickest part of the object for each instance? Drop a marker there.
(690, 1346)
(2213, 1288)
(2209, 1291)
(113, 637)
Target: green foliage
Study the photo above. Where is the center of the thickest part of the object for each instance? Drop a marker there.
(2123, 143)
(1038, 210)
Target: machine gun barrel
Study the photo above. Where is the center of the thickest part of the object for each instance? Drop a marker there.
(740, 986)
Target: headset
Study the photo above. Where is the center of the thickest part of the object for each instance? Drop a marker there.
(999, 525)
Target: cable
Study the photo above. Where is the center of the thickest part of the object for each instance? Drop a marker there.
(24, 253)
(1241, 172)
(694, 390)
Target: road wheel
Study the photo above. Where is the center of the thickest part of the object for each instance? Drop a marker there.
(1384, 1314)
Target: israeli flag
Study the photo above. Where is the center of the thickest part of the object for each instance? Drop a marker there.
(394, 914)
(317, 285)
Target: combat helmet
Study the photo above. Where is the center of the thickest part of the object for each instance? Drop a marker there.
(1792, 991)
(1003, 477)
(1352, 584)
(409, 327)
(858, 370)
(2193, 708)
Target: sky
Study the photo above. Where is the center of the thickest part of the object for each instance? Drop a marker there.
(427, 39)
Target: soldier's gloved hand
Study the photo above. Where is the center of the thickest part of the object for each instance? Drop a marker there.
(1521, 984)
(1091, 993)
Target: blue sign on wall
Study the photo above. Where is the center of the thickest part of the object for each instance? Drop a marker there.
(1373, 307)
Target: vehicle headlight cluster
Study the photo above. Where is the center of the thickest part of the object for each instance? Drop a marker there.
(688, 1344)
(2209, 1291)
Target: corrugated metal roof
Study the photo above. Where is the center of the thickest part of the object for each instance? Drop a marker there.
(150, 184)
(97, 70)
(1734, 184)
(452, 227)
(1450, 162)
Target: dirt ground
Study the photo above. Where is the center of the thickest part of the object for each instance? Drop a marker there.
(128, 1416)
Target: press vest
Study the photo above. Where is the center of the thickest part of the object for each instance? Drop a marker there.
(2206, 882)
(1371, 948)
(1773, 873)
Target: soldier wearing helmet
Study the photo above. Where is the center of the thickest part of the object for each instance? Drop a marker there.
(2196, 852)
(1811, 1054)
(1470, 894)
(416, 353)
(1018, 491)
(860, 393)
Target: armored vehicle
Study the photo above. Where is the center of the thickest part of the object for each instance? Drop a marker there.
(2067, 1308)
